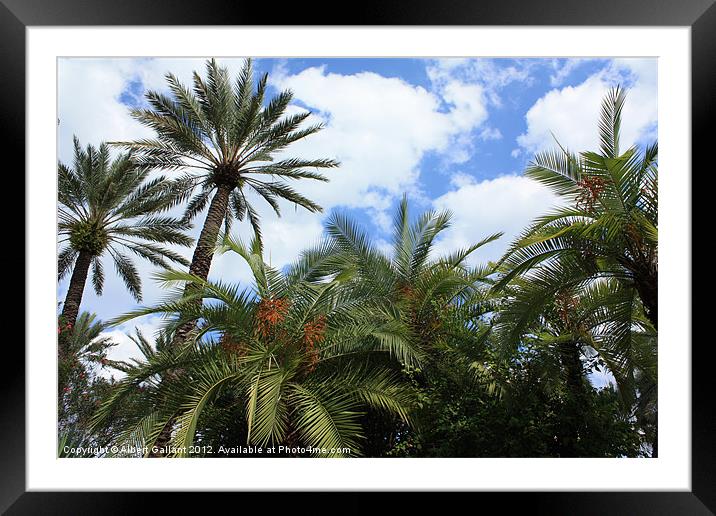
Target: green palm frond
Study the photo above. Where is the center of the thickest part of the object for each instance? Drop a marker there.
(206, 382)
(65, 260)
(97, 276)
(380, 390)
(610, 122)
(267, 412)
(327, 419)
(158, 364)
(557, 170)
(140, 436)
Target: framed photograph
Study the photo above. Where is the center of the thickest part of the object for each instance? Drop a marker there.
(416, 250)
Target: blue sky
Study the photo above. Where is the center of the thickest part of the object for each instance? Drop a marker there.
(452, 133)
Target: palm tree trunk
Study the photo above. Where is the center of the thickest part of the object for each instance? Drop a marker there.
(648, 289)
(77, 285)
(200, 265)
(201, 261)
(575, 404)
(204, 251)
(291, 439)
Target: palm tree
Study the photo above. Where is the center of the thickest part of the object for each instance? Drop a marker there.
(83, 353)
(291, 362)
(597, 256)
(442, 300)
(107, 207)
(227, 133)
(608, 227)
(85, 348)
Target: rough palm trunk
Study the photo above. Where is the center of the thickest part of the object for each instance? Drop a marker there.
(77, 285)
(648, 289)
(200, 265)
(204, 252)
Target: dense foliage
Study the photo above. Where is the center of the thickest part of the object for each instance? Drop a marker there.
(358, 351)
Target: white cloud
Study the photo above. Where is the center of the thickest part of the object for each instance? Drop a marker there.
(89, 92)
(284, 238)
(469, 104)
(490, 133)
(126, 349)
(88, 100)
(572, 113)
(384, 246)
(563, 70)
(507, 203)
(491, 74)
(380, 129)
(602, 379)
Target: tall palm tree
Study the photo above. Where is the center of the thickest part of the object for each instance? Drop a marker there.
(227, 133)
(107, 207)
(608, 227)
(291, 362)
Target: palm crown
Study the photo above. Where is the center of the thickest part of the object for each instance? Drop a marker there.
(422, 287)
(608, 227)
(111, 207)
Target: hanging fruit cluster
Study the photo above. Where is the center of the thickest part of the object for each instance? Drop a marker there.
(591, 189)
(270, 313)
(231, 347)
(314, 333)
(565, 303)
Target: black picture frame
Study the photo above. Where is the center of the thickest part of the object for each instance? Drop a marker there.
(700, 15)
